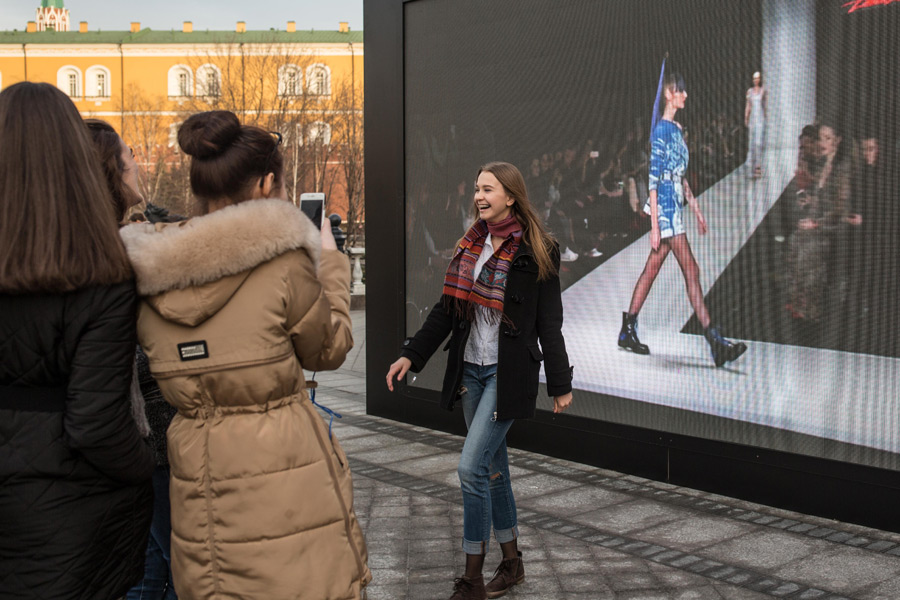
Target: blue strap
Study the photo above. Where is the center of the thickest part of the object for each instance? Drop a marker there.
(312, 398)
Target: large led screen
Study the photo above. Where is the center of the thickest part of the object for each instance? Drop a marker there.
(801, 259)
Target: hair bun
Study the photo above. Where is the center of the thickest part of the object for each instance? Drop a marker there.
(209, 134)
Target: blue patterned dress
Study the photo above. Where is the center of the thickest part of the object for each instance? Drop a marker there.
(668, 162)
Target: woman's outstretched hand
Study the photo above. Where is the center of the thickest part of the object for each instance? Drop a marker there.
(398, 369)
(654, 238)
(561, 403)
(701, 222)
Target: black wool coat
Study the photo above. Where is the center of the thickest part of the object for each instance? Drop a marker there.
(535, 311)
(75, 493)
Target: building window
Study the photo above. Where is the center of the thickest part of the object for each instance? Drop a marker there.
(68, 79)
(318, 133)
(289, 80)
(209, 80)
(184, 84)
(181, 82)
(318, 79)
(98, 82)
(212, 83)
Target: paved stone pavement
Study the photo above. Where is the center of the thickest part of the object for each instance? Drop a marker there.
(586, 533)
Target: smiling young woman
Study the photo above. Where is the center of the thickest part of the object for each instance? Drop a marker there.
(501, 296)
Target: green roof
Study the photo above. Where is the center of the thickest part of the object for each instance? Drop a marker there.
(150, 36)
(52, 4)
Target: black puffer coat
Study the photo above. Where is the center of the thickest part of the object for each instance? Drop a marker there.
(75, 496)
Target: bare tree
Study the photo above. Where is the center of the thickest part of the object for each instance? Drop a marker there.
(149, 131)
(274, 86)
(349, 151)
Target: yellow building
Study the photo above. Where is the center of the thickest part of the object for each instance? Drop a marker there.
(144, 82)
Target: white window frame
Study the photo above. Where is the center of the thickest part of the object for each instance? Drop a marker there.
(203, 79)
(284, 72)
(313, 85)
(175, 90)
(92, 79)
(318, 131)
(64, 81)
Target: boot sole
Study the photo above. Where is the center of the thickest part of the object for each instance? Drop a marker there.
(720, 361)
(500, 593)
(743, 348)
(633, 351)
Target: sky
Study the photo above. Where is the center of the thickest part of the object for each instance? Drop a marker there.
(117, 15)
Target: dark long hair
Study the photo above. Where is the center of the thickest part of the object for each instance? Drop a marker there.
(57, 228)
(109, 148)
(227, 158)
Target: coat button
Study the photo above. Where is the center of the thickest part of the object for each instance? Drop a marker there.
(516, 298)
(462, 324)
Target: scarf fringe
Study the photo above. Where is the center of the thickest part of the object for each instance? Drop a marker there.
(466, 311)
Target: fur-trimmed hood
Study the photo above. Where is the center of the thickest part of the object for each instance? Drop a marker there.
(214, 252)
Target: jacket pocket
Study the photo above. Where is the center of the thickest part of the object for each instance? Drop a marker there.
(339, 453)
(534, 370)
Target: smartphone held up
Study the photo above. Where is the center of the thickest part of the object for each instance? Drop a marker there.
(313, 206)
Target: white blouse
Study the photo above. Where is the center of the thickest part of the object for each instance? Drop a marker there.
(484, 339)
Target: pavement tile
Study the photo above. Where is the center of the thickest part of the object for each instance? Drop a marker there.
(886, 589)
(565, 568)
(764, 549)
(691, 533)
(445, 574)
(584, 582)
(388, 576)
(572, 501)
(627, 517)
(387, 591)
(395, 453)
(538, 485)
(731, 592)
(429, 590)
(632, 581)
(844, 570)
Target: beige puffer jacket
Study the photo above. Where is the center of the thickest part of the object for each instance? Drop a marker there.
(232, 310)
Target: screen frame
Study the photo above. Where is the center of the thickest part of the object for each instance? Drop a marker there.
(849, 492)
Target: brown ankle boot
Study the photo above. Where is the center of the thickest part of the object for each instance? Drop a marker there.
(469, 589)
(510, 572)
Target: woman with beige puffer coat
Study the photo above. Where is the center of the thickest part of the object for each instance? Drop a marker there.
(235, 304)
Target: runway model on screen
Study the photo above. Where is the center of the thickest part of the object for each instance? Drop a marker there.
(755, 121)
(501, 295)
(668, 193)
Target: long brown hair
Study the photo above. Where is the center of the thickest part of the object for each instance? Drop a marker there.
(109, 148)
(533, 232)
(57, 228)
(227, 158)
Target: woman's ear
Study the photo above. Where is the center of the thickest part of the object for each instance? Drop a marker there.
(267, 185)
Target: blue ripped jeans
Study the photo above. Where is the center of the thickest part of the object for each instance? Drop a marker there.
(484, 466)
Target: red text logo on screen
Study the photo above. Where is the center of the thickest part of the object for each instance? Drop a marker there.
(858, 4)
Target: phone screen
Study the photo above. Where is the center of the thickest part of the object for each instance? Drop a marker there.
(312, 208)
